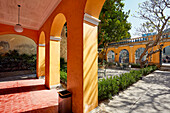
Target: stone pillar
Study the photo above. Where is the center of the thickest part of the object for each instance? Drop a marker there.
(131, 55)
(90, 62)
(82, 63)
(53, 71)
(116, 55)
(40, 60)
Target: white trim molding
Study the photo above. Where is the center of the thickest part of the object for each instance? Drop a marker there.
(91, 19)
(42, 45)
(55, 38)
(55, 86)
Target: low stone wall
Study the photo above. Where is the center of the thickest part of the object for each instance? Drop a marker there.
(16, 73)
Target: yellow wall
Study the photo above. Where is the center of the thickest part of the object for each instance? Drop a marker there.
(90, 67)
(41, 63)
(132, 49)
(54, 63)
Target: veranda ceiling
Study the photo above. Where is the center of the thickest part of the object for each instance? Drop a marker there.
(33, 12)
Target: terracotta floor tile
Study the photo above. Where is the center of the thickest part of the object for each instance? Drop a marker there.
(28, 96)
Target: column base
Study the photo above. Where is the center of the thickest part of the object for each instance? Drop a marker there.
(55, 86)
(41, 77)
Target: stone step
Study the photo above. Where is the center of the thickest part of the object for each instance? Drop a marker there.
(165, 68)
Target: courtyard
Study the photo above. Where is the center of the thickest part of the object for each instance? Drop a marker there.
(87, 48)
(151, 95)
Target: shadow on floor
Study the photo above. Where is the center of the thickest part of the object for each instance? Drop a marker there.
(150, 95)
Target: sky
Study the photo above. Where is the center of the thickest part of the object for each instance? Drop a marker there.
(132, 5)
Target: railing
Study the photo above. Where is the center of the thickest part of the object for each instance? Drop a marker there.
(134, 40)
(141, 39)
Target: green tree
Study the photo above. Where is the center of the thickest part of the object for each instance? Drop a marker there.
(156, 20)
(113, 25)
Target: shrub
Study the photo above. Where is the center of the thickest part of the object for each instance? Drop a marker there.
(63, 77)
(107, 87)
(63, 71)
(135, 65)
(63, 65)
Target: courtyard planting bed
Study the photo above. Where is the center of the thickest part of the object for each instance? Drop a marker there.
(108, 87)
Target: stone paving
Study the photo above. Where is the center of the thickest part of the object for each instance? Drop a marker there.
(149, 95)
(110, 72)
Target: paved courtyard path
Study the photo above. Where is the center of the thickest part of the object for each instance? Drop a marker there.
(149, 95)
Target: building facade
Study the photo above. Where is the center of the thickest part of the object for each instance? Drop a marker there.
(130, 50)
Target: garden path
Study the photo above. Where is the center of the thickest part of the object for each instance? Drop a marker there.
(150, 95)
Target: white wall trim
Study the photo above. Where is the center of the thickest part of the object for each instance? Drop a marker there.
(91, 19)
(55, 86)
(55, 38)
(42, 45)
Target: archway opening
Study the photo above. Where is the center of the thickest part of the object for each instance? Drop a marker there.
(124, 56)
(41, 56)
(166, 55)
(17, 57)
(58, 51)
(138, 53)
(63, 56)
(111, 56)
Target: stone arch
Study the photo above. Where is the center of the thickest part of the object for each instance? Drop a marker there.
(41, 55)
(166, 54)
(124, 56)
(111, 56)
(54, 49)
(57, 25)
(7, 29)
(93, 7)
(17, 34)
(138, 53)
(42, 38)
(19, 42)
(23, 45)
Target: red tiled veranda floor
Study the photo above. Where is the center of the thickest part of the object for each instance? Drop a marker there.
(27, 96)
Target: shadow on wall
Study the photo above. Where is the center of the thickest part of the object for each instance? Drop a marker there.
(42, 68)
(152, 92)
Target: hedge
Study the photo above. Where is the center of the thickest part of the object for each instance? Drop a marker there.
(108, 87)
(63, 77)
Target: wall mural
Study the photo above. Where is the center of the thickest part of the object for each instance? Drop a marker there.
(4, 47)
(26, 48)
(22, 44)
(124, 56)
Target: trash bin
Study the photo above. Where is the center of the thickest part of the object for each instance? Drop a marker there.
(65, 102)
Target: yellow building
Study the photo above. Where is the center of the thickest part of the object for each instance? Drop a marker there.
(129, 51)
(43, 21)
